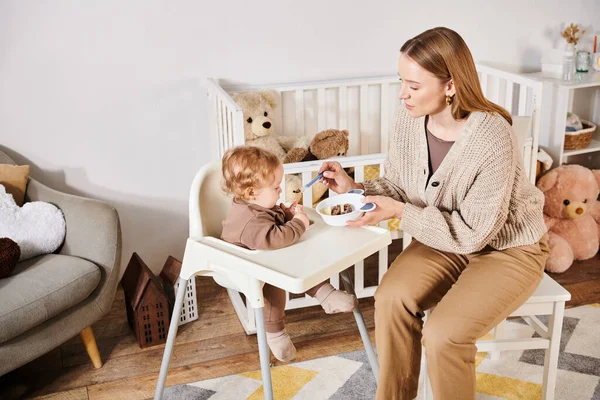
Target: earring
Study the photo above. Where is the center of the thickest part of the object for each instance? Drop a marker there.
(449, 100)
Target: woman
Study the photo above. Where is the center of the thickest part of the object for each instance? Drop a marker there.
(455, 179)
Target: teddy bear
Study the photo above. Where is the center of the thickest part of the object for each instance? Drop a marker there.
(258, 108)
(326, 144)
(571, 214)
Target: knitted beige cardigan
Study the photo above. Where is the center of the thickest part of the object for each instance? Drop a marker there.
(479, 195)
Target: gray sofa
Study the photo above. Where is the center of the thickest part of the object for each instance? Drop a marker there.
(50, 299)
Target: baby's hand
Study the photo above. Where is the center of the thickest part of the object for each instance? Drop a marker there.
(289, 211)
(299, 213)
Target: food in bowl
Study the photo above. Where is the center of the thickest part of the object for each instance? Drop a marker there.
(350, 205)
(339, 209)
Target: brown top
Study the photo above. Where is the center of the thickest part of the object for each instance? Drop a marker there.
(437, 148)
(259, 228)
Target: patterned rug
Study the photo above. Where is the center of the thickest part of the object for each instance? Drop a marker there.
(517, 375)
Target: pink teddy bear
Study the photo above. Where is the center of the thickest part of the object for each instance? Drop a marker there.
(572, 214)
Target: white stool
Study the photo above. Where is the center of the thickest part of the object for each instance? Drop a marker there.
(548, 299)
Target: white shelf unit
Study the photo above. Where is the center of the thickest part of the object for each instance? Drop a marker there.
(581, 96)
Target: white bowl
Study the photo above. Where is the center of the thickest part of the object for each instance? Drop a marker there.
(354, 198)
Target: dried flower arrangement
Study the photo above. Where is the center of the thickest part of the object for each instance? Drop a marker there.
(572, 33)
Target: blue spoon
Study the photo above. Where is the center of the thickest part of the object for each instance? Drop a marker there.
(309, 184)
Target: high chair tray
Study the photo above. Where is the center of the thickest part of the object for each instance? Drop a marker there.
(322, 252)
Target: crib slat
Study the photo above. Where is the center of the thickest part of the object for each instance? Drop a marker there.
(307, 199)
(359, 173)
(384, 117)
(484, 80)
(282, 195)
(224, 125)
(522, 99)
(529, 106)
(335, 281)
(509, 97)
(224, 118)
(364, 119)
(220, 127)
(322, 110)
(229, 129)
(359, 276)
(213, 129)
(495, 90)
(343, 106)
(217, 131)
(299, 112)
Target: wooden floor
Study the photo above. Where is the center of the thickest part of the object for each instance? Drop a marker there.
(214, 345)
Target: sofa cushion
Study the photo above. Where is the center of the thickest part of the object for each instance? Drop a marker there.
(14, 179)
(38, 227)
(41, 288)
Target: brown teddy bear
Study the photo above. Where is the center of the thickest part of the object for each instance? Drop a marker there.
(572, 214)
(329, 143)
(326, 144)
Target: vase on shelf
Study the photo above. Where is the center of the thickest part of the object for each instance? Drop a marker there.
(569, 62)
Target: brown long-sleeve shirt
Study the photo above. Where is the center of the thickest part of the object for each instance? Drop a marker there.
(259, 228)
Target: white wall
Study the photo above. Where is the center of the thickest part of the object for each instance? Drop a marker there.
(105, 99)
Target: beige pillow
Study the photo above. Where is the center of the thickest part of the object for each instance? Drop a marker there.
(14, 179)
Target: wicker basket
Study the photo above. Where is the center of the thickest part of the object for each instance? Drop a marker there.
(580, 139)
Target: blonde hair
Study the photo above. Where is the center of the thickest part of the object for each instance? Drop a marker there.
(445, 54)
(247, 167)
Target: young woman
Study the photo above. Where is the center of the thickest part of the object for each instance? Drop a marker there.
(455, 179)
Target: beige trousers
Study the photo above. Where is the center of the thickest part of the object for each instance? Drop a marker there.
(471, 295)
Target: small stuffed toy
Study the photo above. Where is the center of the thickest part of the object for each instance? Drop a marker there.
(9, 256)
(258, 109)
(327, 144)
(571, 213)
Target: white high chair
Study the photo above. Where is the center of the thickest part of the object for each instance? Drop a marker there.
(321, 253)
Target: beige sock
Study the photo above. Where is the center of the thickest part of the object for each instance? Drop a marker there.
(335, 301)
(281, 345)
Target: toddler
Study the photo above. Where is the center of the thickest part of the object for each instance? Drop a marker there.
(253, 177)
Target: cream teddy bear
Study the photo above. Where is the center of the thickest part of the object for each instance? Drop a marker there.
(258, 108)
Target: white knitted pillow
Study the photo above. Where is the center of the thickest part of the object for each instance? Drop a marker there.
(37, 227)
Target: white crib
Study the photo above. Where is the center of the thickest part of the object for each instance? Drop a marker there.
(365, 107)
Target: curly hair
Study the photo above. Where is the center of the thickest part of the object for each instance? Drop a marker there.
(247, 167)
